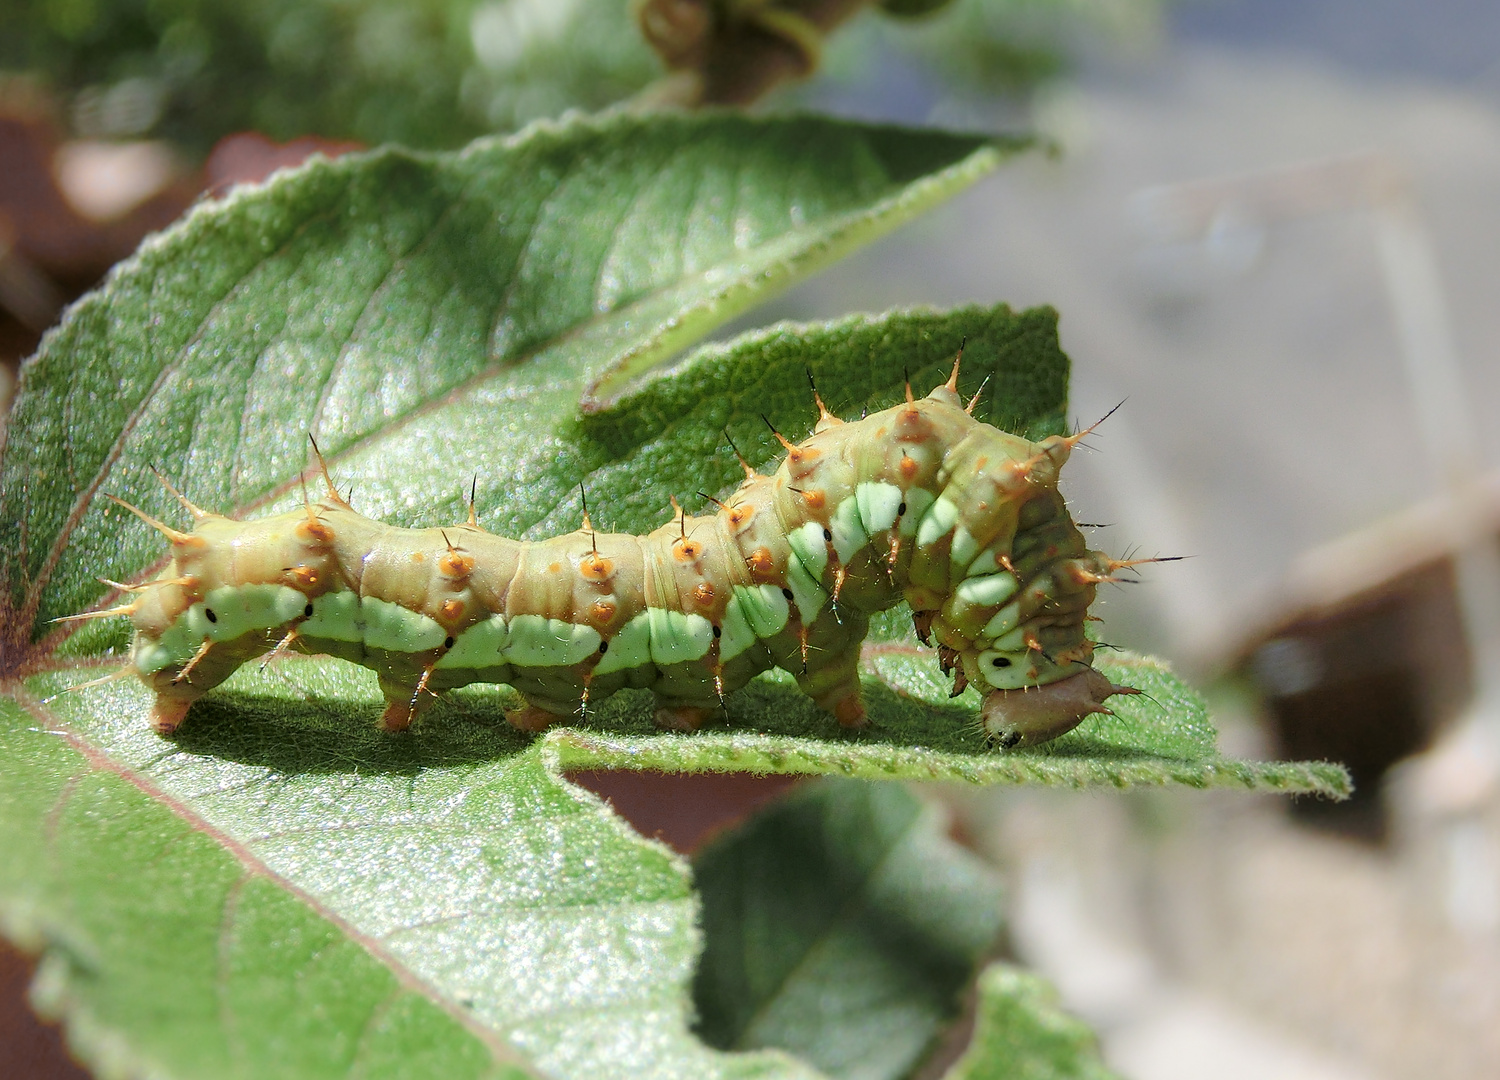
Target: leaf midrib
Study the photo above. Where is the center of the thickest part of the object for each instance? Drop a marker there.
(254, 867)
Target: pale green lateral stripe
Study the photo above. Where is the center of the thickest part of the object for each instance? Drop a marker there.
(964, 548)
(677, 638)
(480, 646)
(807, 541)
(239, 609)
(986, 562)
(1012, 642)
(917, 501)
(737, 635)
(941, 516)
(765, 609)
(391, 627)
(879, 505)
(849, 534)
(630, 648)
(173, 649)
(807, 593)
(987, 591)
(537, 641)
(337, 616)
(1017, 673)
(1004, 621)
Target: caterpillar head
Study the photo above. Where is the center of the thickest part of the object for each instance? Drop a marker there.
(1034, 714)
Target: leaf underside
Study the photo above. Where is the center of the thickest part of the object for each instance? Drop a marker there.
(842, 925)
(283, 890)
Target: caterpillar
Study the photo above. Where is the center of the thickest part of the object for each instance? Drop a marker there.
(920, 502)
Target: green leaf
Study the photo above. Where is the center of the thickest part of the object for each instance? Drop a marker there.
(917, 733)
(396, 303)
(842, 926)
(1020, 1033)
(459, 866)
(173, 951)
(459, 859)
(433, 73)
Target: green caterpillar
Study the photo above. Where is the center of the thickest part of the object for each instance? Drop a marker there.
(920, 501)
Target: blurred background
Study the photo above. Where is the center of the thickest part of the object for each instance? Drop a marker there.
(1272, 230)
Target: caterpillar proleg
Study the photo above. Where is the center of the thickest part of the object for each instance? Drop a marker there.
(918, 502)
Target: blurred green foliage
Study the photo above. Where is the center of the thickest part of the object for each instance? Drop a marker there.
(424, 73)
(437, 73)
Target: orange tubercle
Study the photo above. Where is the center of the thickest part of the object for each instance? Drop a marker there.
(800, 459)
(1079, 653)
(314, 531)
(1081, 574)
(762, 565)
(602, 612)
(455, 564)
(912, 426)
(304, 577)
(595, 567)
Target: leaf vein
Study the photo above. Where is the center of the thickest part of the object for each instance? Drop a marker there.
(117, 446)
(314, 424)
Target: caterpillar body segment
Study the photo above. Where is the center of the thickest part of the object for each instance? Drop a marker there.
(920, 502)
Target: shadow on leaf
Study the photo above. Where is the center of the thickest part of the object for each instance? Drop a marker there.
(340, 735)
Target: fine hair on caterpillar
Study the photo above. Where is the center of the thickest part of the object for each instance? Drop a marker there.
(919, 502)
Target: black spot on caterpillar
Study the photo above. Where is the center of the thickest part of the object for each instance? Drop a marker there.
(919, 502)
